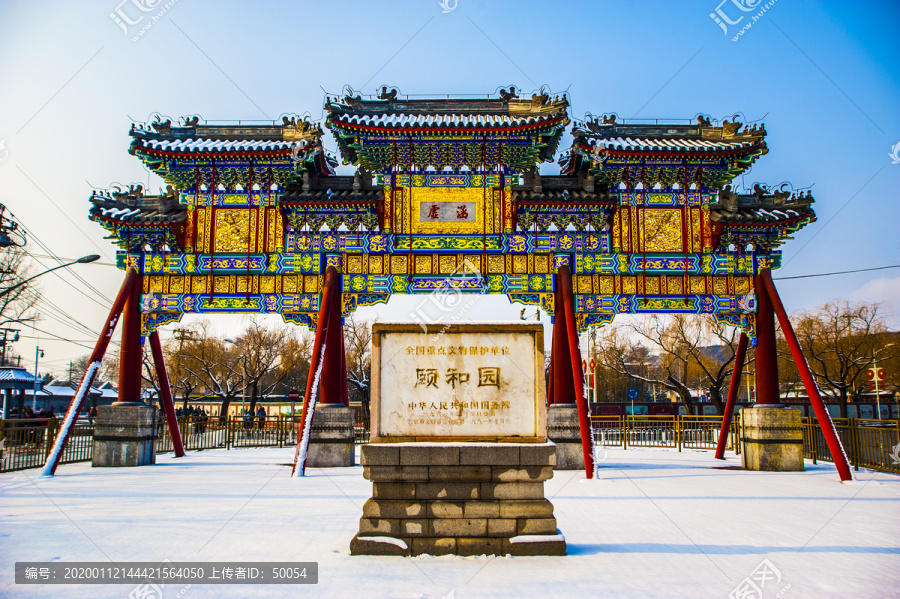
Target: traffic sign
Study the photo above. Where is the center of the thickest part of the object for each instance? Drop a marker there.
(632, 393)
(293, 395)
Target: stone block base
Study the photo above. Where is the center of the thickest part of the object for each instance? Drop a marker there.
(458, 499)
(331, 438)
(772, 439)
(564, 430)
(125, 435)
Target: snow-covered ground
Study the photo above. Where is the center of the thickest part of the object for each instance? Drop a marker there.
(657, 523)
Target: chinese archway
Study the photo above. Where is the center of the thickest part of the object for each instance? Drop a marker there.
(642, 218)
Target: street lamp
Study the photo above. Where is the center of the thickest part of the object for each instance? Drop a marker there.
(82, 260)
(876, 380)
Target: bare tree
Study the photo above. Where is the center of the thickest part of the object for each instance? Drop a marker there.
(17, 298)
(841, 341)
(260, 349)
(210, 360)
(358, 349)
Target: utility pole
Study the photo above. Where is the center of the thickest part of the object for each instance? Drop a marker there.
(38, 353)
(5, 340)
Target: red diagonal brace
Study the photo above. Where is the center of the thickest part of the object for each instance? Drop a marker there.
(825, 422)
(165, 394)
(733, 388)
(330, 301)
(564, 280)
(87, 379)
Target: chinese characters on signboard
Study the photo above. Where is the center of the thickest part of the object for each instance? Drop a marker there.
(479, 384)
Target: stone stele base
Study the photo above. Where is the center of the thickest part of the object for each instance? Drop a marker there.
(458, 499)
(772, 439)
(564, 430)
(125, 435)
(331, 437)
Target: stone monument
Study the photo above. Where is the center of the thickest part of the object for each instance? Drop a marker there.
(772, 438)
(125, 435)
(458, 453)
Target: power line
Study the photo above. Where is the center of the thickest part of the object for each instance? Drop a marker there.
(58, 337)
(842, 272)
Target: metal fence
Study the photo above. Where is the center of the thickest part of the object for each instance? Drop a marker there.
(26, 442)
(676, 432)
(869, 443)
(875, 444)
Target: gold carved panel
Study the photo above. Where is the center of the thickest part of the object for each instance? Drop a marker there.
(447, 264)
(605, 285)
(741, 285)
(376, 265)
(674, 286)
(541, 264)
(234, 230)
(398, 265)
(662, 230)
(354, 265)
(652, 285)
(584, 284)
(157, 284)
(311, 284)
(198, 284)
(241, 285)
(720, 286)
(176, 284)
(267, 284)
(223, 284)
(698, 285)
(520, 264)
(496, 265)
(423, 265)
(289, 284)
(629, 285)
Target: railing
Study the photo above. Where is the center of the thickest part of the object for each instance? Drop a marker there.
(875, 444)
(26, 442)
(869, 443)
(676, 432)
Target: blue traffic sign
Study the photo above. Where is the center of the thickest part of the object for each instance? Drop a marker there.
(632, 393)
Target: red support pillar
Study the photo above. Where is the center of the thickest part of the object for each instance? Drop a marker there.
(733, 389)
(87, 379)
(131, 352)
(319, 348)
(561, 389)
(564, 281)
(825, 422)
(333, 386)
(165, 394)
(767, 391)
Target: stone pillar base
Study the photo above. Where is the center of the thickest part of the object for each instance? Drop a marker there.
(331, 437)
(125, 435)
(458, 499)
(564, 430)
(771, 439)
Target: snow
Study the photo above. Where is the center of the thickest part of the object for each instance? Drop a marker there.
(657, 523)
(537, 538)
(71, 414)
(390, 540)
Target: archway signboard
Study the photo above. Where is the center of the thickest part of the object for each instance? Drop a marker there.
(641, 219)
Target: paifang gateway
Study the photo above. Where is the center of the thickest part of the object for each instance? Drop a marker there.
(447, 195)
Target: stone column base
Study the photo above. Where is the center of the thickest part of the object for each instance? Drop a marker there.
(458, 499)
(125, 435)
(331, 437)
(564, 430)
(771, 439)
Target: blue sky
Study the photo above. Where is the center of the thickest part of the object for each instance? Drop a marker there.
(823, 76)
